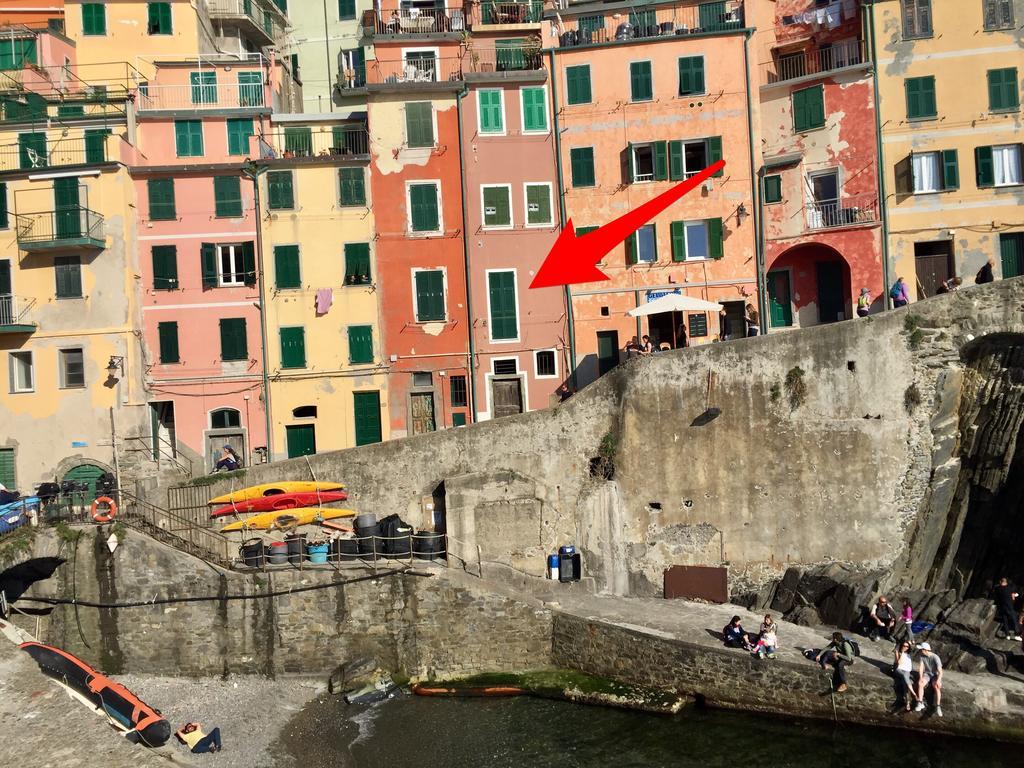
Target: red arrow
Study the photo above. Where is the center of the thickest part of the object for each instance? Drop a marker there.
(573, 259)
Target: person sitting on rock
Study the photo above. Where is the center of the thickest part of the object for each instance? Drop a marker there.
(767, 643)
(192, 736)
(881, 620)
(840, 654)
(769, 625)
(902, 669)
(735, 636)
(929, 675)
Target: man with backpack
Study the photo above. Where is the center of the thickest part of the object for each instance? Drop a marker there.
(840, 653)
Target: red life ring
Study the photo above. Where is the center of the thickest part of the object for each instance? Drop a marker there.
(104, 517)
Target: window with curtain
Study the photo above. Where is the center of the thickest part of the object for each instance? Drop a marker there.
(1006, 163)
(927, 172)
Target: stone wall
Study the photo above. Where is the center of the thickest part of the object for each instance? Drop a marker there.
(447, 624)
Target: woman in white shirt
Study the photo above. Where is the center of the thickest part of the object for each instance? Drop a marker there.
(903, 664)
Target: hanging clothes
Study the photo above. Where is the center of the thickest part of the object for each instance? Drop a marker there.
(324, 299)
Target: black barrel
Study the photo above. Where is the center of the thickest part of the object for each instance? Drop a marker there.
(252, 552)
(296, 548)
(427, 545)
(343, 550)
(368, 543)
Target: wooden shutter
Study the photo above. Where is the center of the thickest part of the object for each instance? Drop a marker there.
(165, 267)
(920, 97)
(904, 173)
(423, 205)
(286, 266)
(640, 80)
(772, 189)
(581, 160)
(233, 343)
(1011, 250)
(161, 199)
(538, 196)
(659, 150)
(715, 244)
(249, 262)
(35, 142)
(497, 198)
(809, 108)
(188, 137)
(360, 344)
(239, 131)
(535, 117)
(346, 9)
(714, 148)
(96, 145)
(631, 248)
(293, 347)
(578, 84)
(985, 169)
(502, 291)
(279, 187)
(677, 230)
(675, 160)
(429, 295)
(4, 220)
(94, 18)
(419, 124)
(490, 111)
(68, 271)
(950, 169)
(168, 335)
(227, 196)
(366, 406)
(1003, 93)
(352, 184)
(691, 75)
(357, 263)
(208, 258)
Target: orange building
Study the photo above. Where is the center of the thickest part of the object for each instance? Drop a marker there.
(33, 14)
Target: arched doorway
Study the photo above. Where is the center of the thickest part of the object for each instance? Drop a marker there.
(808, 285)
(86, 474)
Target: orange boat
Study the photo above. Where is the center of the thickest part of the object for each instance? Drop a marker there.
(489, 690)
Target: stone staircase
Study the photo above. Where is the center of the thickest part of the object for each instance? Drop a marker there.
(176, 531)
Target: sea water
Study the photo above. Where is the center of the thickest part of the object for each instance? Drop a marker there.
(410, 731)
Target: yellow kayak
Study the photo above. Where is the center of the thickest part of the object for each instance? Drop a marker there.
(287, 518)
(270, 489)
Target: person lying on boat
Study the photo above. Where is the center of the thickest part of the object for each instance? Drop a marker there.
(192, 736)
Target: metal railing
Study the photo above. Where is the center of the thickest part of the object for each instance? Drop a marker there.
(262, 15)
(202, 96)
(176, 530)
(504, 59)
(293, 551)
(844, 212)
(59, 226)
(14, 309)
(506, 13)
(425, 70)
(79, 150)
(819, 61)
(415, 21)
(663, 21)
(332, 141)
(351, 76)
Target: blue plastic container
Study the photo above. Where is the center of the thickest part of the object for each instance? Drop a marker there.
(553, 567)
(318, 552)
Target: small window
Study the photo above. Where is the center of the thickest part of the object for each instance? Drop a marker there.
(1006, 160)
(577, 84)
(68, 271)
(503, 305)
(227, 196)
(927, 172)
(698, 325)
(357, 264)
(167, 336)
(491, 110)
(280, 191)
(917, 18)
(582, 164)
(423, 379)
(457, 387)
(165, 267)
(921, 103)
(72, 368)
(1003, 91)
(643, 162)
(539, 212)
(809, 108)
(696, 234)
(998, 14)
(94, 19)
(188, 137)
(641, 86)
(225, 418)
(233, 342)
(535, 109)
(231, 265)
(430, 305)
(505, 367)
(545, 365)
(424, 215)
(360, 344)
(239, 132)
(21, 371)
(352, 186)
(159, 19)
(642, 247)
(346, 9)
(304, 412)
(497, 205)
(293, 347)
(773, 189)
(286, 267)
(419, 124)
(161, 200)
(691, 76)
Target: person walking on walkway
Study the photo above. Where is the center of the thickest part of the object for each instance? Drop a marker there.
(1005, 599)
(929, 674)
(985, 274)
(902, 668)
(899, 294)
(841, 657)
(864, 303)
(753, 320)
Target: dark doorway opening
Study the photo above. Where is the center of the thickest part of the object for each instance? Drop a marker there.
(607, 351)
(933, 262)
(831, 298)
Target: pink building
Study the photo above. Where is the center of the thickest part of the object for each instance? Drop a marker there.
(197, 237)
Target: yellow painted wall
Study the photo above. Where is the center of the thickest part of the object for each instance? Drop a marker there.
(958, 54)
(320, 227)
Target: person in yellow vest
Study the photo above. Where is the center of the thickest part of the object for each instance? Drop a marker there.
(192, 736)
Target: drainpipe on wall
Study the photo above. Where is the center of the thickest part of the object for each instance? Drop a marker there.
(882, 197)
(762, 291)
(561, 212)
(327, 49)
(465, 256)
(253, 171)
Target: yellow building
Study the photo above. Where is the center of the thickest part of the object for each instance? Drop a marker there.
(327, 376)
(948, 76)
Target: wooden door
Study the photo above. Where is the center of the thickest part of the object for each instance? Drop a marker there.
(507, 397)
(67, 209)
(301, 440)
(422, 407)
(780, 306)
(607, 351)
(367, 417)
(831, 303)
(1011, 247)
(6, 301)
(933, 263)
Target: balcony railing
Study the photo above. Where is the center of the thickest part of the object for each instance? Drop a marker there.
(502, 59)
(664, 21)
(413, 71)
(335, 141)
(508, 13)
(66, 228)
(81, 150)
(844, 212)
(353, 76)
(262, 17)
(819, 61)
(14, 314)
(415, 21)
(203, 96)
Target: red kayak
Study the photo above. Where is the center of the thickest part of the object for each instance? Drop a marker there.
(280, 501)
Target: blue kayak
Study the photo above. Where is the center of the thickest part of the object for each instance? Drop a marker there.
(24, 503)
(11, 520)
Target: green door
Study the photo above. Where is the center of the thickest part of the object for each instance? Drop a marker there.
(780, 308)
(7, 473)
(301, 440)
(88, 474)
(607, 351)
(712, 16)
(1012, 250)
(367, 413)
(68, 211)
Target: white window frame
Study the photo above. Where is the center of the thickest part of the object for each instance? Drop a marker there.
(707, 239)
(444, 286)
(522, 111)
(437, 59)
(686, 172)
(12, 378)
(483, 212)
(504, 118)
(636, 176)
(995, 165)
(526, 205)
(62, 382)
(629, 81)
(238, 266)
(536, 369)
(937, 158)
(636, 244)
(519, 316)
(408, 208)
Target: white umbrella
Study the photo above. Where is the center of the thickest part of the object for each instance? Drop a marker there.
(675, 302)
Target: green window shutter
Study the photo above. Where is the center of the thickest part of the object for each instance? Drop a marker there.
(208, 261)
(675, 160)
(233, 343)
(346, 9)
(419, 124)
(1011, 248)
(691, 75)
(640, 85)
(429, 295)
(249, 262)
(298, 140)
(660, 152)
(165, 267)
(360, 344)
(489, 111)
(280, 192)
(188, 138)
(351, 182)
(69, 110)
(159, 19)
(96, 145)
(366, 411)
(950, 170)
(32, 150)
(581, 159)
(631, 248)
(227, 196)
(809, 108)
(497, 207)
(535, 114)
(716, 247)
(357, 263)
(538, 204)
(293, 347)
(68, 271)
(94, 19)
(986, 172)
(714, 145)
(161, 200)
(677, 230)
(250, 89)
(168, 335)
(772, 189)
(920, 97)
(1003, 93)
(423, 207)
(577, 81)
(4, 218)
(286, 267)
(581, 231)
(502, 291)
(239, 131)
